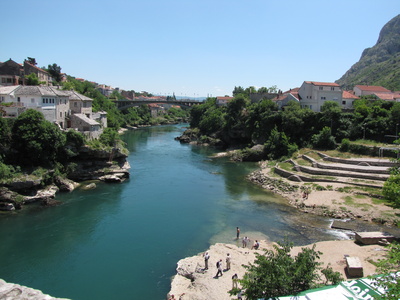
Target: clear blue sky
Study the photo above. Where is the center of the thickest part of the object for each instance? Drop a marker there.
(194, 47)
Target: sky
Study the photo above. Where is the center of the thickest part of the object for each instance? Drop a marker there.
(194, 48)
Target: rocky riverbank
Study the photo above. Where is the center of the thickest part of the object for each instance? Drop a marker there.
(11, 291)
(90, 164)
(329, 199)
(193, 282)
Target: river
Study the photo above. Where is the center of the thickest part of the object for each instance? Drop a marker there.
(122, 241)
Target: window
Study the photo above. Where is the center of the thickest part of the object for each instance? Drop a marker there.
(332, 88)
(75, 104)
(344, 102)
(60, 114)
(32, 100)
(19, 99)
(323, 98)
(3, 80)
(9, 80)
(321, 88)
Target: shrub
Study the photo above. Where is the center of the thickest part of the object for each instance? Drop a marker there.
(277, 273)
(324, 139)
(345, 145)
(391, 190)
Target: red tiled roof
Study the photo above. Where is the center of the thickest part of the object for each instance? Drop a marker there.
(348, 95)
(36, 67)
(224, 98)
(322, 83)
(294, 90)
(373, 88)
(385, 96)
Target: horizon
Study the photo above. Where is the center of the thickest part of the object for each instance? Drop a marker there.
(196, 49)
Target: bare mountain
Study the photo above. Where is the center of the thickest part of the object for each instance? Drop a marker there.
(379, 65)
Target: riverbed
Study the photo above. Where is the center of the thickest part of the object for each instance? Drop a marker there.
(122, 241)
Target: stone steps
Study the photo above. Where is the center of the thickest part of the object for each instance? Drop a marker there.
(348, 167)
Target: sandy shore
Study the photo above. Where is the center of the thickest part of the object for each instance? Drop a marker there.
(203, 285)
(195, 283)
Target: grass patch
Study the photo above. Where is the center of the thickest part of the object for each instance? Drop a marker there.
(349, 201)
(368, 143)
(303, 162)
(286, 166)
(346, 189)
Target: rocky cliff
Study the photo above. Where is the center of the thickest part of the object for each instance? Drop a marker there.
(90, 164)
(380, 64)
(11, 291)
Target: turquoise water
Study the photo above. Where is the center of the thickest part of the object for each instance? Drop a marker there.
(122, 241)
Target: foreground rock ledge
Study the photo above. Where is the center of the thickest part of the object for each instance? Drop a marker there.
(11, 291)
(194, 283)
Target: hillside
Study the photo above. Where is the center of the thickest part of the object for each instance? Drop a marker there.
(379, 65)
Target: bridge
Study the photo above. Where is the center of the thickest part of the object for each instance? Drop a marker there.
(125, 104)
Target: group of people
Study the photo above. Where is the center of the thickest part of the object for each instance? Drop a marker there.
(219, 263)
(246, 241)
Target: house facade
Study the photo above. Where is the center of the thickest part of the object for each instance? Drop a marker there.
(80, 104)
(347, 100)
(314, 94)
(53, 103)
(42, 75)
(283, 99)
(223, 101)
(11, 73)
(67, 109)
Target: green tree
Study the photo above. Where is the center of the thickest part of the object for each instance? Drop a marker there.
(32, 79)
(278, 145)
(324, 139)
(237, 90)
(389, 268)
(236, 116)
(277, 273)
(31, 60)
(391, 189)
(110, 137)
(55, 72)
(212, 121)
(5, 135)
(35, 140)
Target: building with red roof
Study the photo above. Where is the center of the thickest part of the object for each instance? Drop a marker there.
(282, 99)
(348, 98)
(361, 90)
(223, 101)
(313, 94)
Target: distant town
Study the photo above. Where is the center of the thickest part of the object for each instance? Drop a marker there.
(70, 109)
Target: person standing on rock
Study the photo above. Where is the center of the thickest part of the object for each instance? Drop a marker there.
(235, 281)
(237, 233)
(206, 258)
(219, 268)
(228, 262)
(244, 241)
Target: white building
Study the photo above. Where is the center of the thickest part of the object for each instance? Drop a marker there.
(67, 109)
(314, 94)
(347, 100)
(53, 103)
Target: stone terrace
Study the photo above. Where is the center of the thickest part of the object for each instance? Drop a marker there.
(361, 171)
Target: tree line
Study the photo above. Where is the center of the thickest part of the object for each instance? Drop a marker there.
(281, 132)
